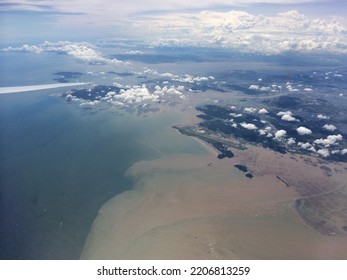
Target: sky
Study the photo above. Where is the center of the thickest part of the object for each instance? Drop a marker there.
(267, 26)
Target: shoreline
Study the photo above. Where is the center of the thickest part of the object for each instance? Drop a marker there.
(180, 208)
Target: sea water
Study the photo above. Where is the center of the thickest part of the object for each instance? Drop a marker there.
(60, 163)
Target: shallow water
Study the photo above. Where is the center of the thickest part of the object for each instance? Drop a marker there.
(59, 164)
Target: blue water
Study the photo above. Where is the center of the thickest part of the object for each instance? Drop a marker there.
(59, 163)
(57, 168)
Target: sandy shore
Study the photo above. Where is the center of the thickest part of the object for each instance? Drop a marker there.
(7, 90)
(183, 208)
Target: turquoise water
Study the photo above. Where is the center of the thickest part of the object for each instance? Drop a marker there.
(59, 164)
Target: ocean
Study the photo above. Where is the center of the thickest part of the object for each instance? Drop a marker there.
(60, 163)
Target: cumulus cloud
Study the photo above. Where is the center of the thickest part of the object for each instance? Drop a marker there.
(287, 31)
(303, 130)
(284, 113)
(136, 94)
(250, 110)
(249, 126)
(288, 118)
(322, 117)
(291, 141)
(256, 87)
(80, 50)
(330, 140)
(235, 115)
(329, 127)
(305, 146)
(323, 152)
(343, 151)
(280, 134)
(191, 79)
(183, 79)
(263, 111)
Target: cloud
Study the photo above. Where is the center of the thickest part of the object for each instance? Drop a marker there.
(249, 126)
(343, 151)
(291, 141)
(329, 127)
(235, 115)
(303, 130)
(198, 25)
(288, 118)
(280, 134)
(192, 79)
(142, 94)
(256, 87)
(330, 140)
(284, 113)
(80, 50)
(134, 52)
(305, 146)
(263, 111)
(24, 48)
(285, 32)
(322, 117)
(250, 110)
(323, 152)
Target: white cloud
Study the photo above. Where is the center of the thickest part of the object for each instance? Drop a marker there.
(249, 126)
(263, 111)
(323, 152)
(191, 79)
(134, 52)
(288, 31)
(322, 117)
(79, 50)
(303, 130)
(235, 115)
(284, 113)
(343, 151)
(89, 103)
(24, 48)
(256, 87)
(250, 110)
(288, 118)
(330, 140)
(280, 134)
(137, 95)
(329, 127)
(291, 141)
(305, 146)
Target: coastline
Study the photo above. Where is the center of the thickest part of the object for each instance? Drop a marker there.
(183, 208)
